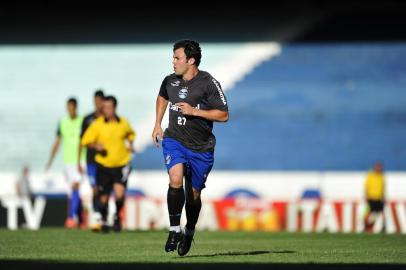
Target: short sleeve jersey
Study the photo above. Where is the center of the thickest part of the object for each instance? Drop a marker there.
(203, 92)
(375, 186)
(69, 132)
(113, 135)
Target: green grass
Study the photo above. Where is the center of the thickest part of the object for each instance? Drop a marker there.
(59, 245)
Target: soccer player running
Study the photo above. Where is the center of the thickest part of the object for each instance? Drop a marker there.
(195, 100)
(69, 133)
(111, 136)
(90, 157)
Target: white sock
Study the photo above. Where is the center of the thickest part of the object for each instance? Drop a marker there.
(175, 228)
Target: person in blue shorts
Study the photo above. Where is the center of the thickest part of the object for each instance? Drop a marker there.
(195, 101)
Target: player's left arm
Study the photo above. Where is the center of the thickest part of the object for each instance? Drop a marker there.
(383, 190)
(55, 147)
(218, 108)
(212, 115)
(130, 137)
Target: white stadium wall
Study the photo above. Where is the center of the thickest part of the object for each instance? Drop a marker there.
(269, 201)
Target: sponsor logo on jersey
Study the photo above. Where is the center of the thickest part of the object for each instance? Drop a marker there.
(223, 99)
(183, 93)
(175, 108)
(175, 83)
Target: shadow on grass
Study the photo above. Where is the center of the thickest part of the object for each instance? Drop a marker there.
(236, 253)
(45, 265)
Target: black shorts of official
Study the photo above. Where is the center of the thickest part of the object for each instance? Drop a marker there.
(107, 177)
(375, 205)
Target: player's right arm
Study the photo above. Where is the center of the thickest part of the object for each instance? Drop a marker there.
(157, 134)
(161, 104)
(82, 132)
(89, 140)
(80, 168)
(54, 149)
(366, 185)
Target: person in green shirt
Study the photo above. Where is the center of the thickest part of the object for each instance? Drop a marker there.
(68, 133)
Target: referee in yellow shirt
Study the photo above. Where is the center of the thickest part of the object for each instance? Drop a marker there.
(112, 137)
(375, 195)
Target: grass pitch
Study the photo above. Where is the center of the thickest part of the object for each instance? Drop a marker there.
(69, 249)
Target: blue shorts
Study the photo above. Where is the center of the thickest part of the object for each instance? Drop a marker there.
(197, 164)
(91, 173)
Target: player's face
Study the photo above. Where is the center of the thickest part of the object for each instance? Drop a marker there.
(108, 109)
(378, 167)
(180, 63)
(71, 107)
(98, 103)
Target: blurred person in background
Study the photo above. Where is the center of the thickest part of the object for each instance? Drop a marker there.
(90, 158)
(68, 132)
(375, 195)
(23, 183)
(112, 137)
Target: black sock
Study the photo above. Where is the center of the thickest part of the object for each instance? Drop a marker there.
(96, 203)
(176, 200)
(103, 211)
(192, 212)
(119, 205)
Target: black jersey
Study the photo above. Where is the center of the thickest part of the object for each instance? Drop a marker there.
(202, 92)
(90, 152)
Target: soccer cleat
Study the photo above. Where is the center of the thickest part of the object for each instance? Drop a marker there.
(105, 228)
(117, 224)
(173, 240)
(96, 222)
(96, 227)
(71, 223)
(83, 226)
(185, 244)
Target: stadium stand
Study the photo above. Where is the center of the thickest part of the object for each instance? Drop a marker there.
(315, 108)
(310, 108)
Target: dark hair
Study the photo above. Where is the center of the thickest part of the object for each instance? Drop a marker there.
(73, 101)
(99, 93)
(112, 99)
(192, 49)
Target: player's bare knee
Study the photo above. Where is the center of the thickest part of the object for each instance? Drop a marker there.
(119, 190)
(176, 182)
(104, 199)
(176, 178)
(119, 195)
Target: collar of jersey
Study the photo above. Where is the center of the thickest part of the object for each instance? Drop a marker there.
(116, 116)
